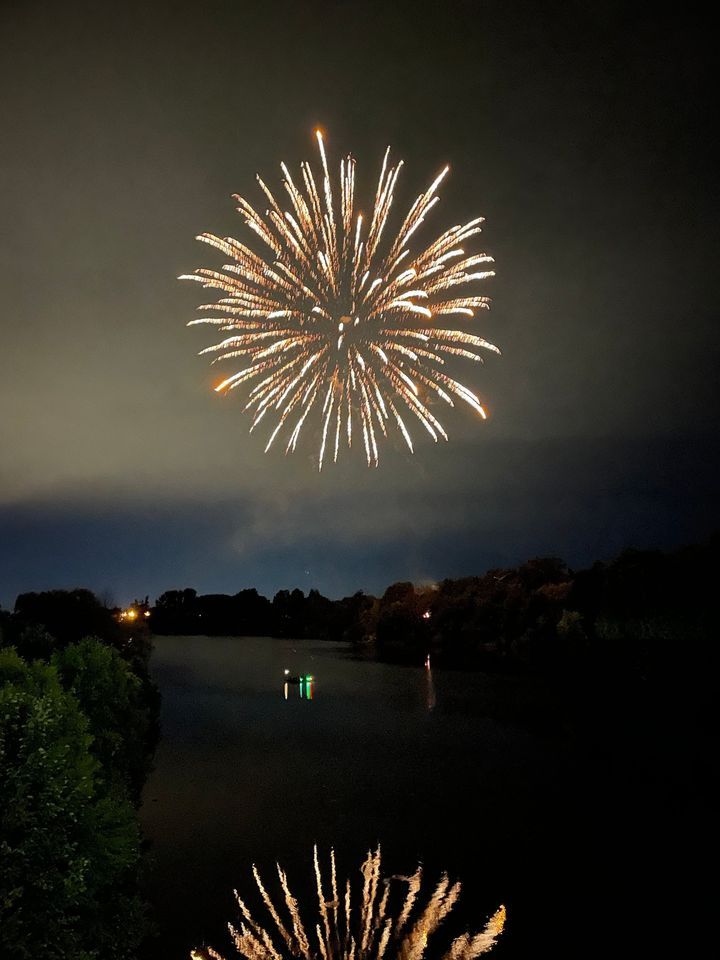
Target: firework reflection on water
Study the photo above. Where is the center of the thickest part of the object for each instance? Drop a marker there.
(381, 924)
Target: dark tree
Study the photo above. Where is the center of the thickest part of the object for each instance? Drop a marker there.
(113, 699)
(69, 844)
(68, 615)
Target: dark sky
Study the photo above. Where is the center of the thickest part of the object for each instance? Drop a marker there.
(582, 132)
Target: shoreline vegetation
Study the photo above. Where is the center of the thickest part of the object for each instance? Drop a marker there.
(642, 614)
(79, 722)
(79, 712)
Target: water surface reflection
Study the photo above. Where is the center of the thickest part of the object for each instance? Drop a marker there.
(465, 772)
(305, 686)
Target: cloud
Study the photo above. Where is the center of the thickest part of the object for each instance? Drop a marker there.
(492, 504)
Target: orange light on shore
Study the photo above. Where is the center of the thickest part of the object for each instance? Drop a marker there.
(131, 614)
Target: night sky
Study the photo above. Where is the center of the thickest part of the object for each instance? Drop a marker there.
(582, 132)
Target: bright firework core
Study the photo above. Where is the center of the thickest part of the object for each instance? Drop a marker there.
(340, 318)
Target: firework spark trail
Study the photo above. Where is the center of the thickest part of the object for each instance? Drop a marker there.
(298, 928)
(376, 930)
(441, 903)
(336, 321)
(466, 947)
(282, 930)
(413, 888)
(322, 903)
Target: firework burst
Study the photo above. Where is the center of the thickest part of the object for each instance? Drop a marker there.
(340, 319)
(368, 931)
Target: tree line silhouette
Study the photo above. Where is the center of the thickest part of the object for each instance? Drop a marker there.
(640, 611)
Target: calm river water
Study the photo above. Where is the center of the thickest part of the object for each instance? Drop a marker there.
(474, 774)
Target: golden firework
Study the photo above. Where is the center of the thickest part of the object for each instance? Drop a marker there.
(368, 931)
(340, 319)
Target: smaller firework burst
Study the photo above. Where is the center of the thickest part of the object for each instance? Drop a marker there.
(370, 930)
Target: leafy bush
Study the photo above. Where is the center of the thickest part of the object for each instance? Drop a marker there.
(69, 839)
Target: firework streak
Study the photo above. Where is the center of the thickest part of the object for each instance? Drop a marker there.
(340, 319)
(368, 930)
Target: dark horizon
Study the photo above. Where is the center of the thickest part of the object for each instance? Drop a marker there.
(582, 134)
(170, 548)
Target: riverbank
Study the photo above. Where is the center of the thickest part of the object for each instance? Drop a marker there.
(646, 613)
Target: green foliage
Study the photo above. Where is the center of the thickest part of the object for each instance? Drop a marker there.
(35, 643)
(69, 841)
(44, 624)
(112, 698)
